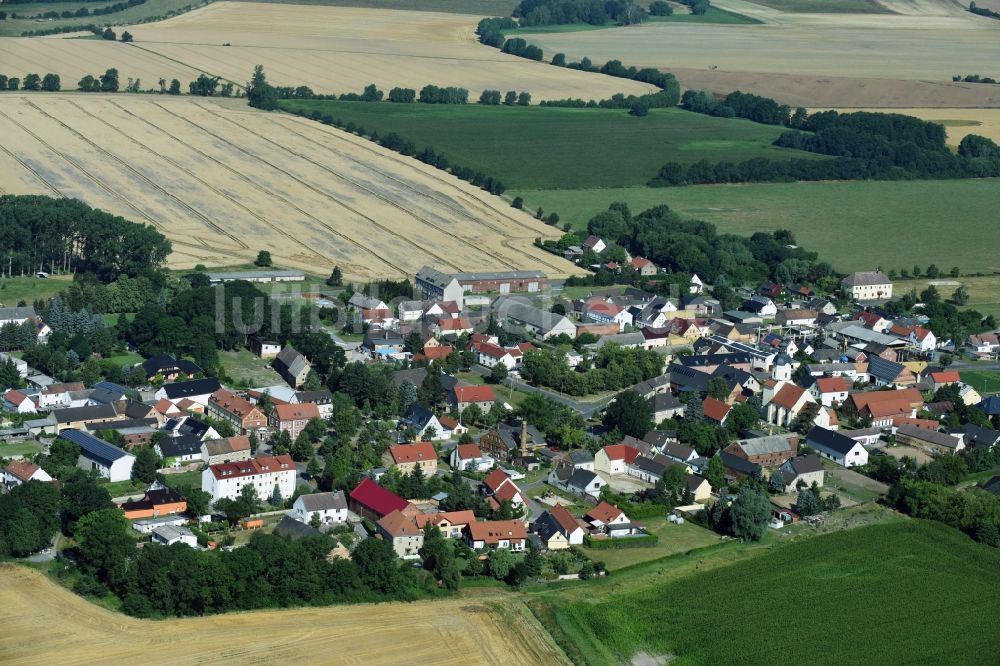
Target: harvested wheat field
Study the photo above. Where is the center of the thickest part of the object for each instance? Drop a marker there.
(222, 183)
(45, 624)
(342, 49)
(935, 40)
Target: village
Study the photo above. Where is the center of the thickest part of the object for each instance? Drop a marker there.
(797, 392)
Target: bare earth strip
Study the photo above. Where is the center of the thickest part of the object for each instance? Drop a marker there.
(222, 183)
(330, 49)
(45, 624)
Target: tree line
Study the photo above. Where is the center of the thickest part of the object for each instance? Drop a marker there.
(593, 12)
(611, 369)
(32, 82)
(84, 11)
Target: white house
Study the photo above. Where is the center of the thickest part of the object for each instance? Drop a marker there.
(168, 535)
(263, 473)
(558, 519)
(867, 286)
(837, 447)
(95, 454)
(607, 518)
(469, 457)
(829, 391)
(17, 402)
(431, 284)
(602, 312)
(614, 459)
(197, 391)
(802, 469)
(330, 507)
(695, 285)
(21, 471)
(20, 364)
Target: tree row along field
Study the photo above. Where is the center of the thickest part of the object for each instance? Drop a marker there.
(329, 49)
(221, 184)
(46, 624)
(541, 148)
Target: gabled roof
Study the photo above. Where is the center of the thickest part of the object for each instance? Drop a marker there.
(324, 501)
(298, 412)
(166, 363)
(469, 451)
(604, 513)
(491, 532)
(415, 452)
(94, 448)
(833, 384)
(621, 452)
(180, 445)
(88, 413)
(929, 436)
(105, 392)
(22, 469)
(378, 499)
(564, 519)
(230, 402)
(481, 393)
(463, 517)
(179, 390)
(220, 447)
(495, 479)
(883, 369)
(738, 464)
(830, 440)
(788, 396)
(945, 377)
(716, 409)
(866, 278)
(977, 436)
(758, 446)
(253, 467)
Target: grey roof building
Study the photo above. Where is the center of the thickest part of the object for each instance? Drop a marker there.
(292, 366)
(539, 322)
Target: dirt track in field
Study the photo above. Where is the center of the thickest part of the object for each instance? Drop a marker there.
(45, 624)
(223, 183)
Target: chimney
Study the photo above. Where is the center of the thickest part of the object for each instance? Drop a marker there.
(524, 437)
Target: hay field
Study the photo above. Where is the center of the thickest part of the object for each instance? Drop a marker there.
(222, 183)
(342, 49)
(45, 624)
(925, 45)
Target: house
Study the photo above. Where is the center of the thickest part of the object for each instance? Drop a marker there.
(464, 395)
(822, 306)
(268, 475)
(454, 326)
(716, 411)
(169, 367)
(558, 522)
(17, 402)
(600, 311)
(581, 459)
(643, 266)
(944, 378)
(538, 322)
(889, 373)
(918, 337)
(469, 457)
(424, 423)
(168, 535)
(382, 342)
(737, 468)
(21, 471)
(677, 451)
(196, 391)
(882, 406)
(155, 503)
(839, 448)
(594, 244)
(494, 534)
(984, 344)
(433, 285)
(614, 459)
(187, 426)
(699, 487)
(796, 317)
(499, 487)
(20, 364)
(969, 395)
(108, 461)
(873, 320)
(990, 406)
(293, 530)
(292, 366)
(805, 470)
(407, 457)
(372, 501)
(695, 285)
(609, 520)
(767, 451)
(330, 507)
(506, 442)
(760, 305)
(830, 391)
(265, 349)
(401, 531)
(245, 417)
(58, 396)
(108, 393)
(179, 448)
(931, 441)
(293, 418)
(451, 523)
(650, 468)
(452, 427)
(784, 402)
(409, 311)
(76, 418)
(867, 286)
(489, 355)
(665, 406)
(977, 437)
(229, 449)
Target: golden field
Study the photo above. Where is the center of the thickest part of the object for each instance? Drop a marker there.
(224, 181)
(45, 624)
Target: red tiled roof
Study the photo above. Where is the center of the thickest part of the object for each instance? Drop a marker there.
(232, 403)
(397, 524)
(373, 496)
(164, 406)
(604, 512)
(495, 479)
(945, 377)
(490, 349)
(464, 517)
(456, 324)
(448, 422)
(22, 469)
(254, 466)
(926, 424)
(303, 411)
(910, 395)
(602, 307)
(407, 453)
(715, 409)
(469, 451)
(15, 397)
(869, 319)
(640, 262)
(833, 384)
(621, 452)
(492, 531)
(480, 393)
(564, 518)
(788, 396)
(507, 492)
(432, 353)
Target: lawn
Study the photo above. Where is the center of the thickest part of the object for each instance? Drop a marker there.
(674, 539)
(151, 8)
(125, 358)
(985, 383)
(536, 147)
(244, 366)
(127, 487)
(984, 290)
(854, 225)
(26, 449)
(192, 478)
(906, 592)
(30, 289)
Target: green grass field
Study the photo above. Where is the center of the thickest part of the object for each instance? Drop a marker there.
(907, 592)
(853, 225)
(244, 366)
(674, 539)
(128, 487)
(985, 383)
(984, 290)
(192, 478)
(14, 27)
(19, 449)
(549, 148)
(29, 289)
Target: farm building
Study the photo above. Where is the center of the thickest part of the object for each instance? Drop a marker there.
(95, 454)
